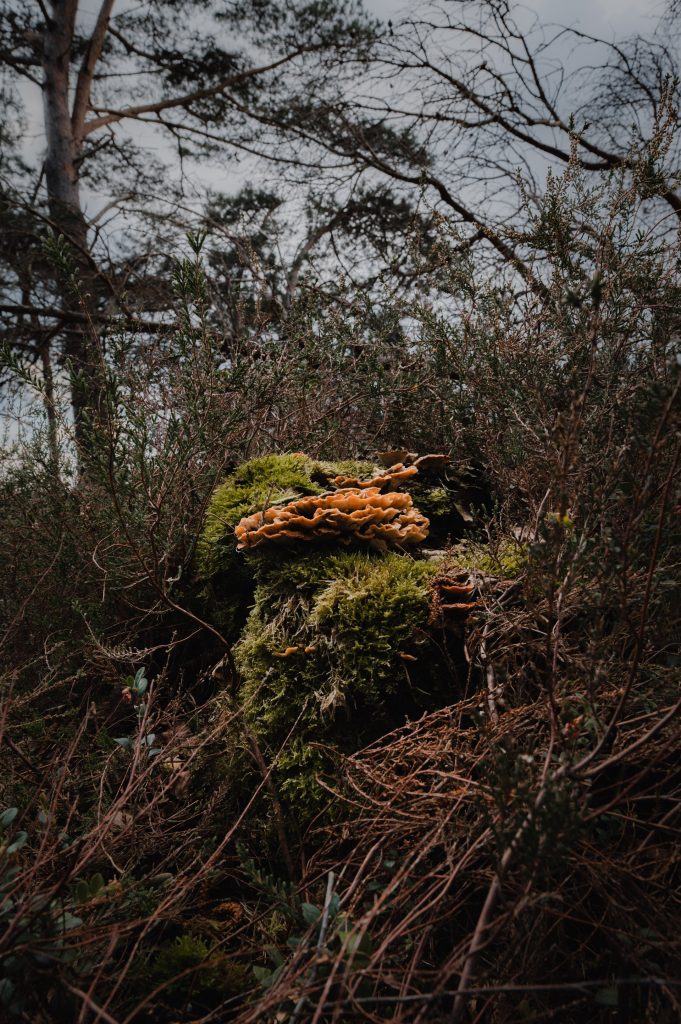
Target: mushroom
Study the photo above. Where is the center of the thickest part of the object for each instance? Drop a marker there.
(430, 463)
(349, 514)
(390, 458)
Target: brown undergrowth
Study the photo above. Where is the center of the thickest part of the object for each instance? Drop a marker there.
(509, 856)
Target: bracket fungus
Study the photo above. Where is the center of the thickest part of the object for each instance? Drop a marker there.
(350, 514)
(388, 480)
(421, 463)
(454, 598)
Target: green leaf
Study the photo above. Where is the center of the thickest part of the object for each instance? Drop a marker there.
(311, 914)
(69, 921)
(275, 956)
(263, 975)
(81, 891)
(6, 992)
(7, 817)
(163, 878)
(19, 841)
(357, 946)
(124, 741)
(96, 884)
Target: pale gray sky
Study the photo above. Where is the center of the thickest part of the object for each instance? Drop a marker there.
(600, 17)
(606, 18)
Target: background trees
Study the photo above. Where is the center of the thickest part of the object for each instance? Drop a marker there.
(356, 137)
(194, 73)
(471, 104)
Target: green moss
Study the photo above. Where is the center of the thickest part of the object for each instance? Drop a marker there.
(255, 484)
(349, 467)
(227, 576)
(507, 559)
(212, 973)
(434, 502)
(322, 657)
(349, 615)
(299, 767)
(373, 609)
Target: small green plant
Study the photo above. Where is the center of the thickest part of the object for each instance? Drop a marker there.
(18, 839)
(134, 689)
(322, 936)
(192, 969)
(37, 923)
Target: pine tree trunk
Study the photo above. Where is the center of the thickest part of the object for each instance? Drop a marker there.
(83, 348)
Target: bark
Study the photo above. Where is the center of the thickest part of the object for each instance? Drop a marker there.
(48, 399)
(82, 341)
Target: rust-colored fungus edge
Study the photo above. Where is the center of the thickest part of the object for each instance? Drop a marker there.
(347, 515)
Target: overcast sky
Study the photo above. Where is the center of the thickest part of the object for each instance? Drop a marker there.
(601, 17)
(608, 19)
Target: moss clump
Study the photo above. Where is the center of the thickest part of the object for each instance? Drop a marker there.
(227, 575)
(433, 501)
(348, 467)
(212, 975)
(255, 484)
(507, 559)
(299, 766)
(336, 651)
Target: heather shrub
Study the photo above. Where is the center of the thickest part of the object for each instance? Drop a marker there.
(502, 822)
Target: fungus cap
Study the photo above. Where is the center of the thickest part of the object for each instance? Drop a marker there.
(347, 515)
(387, 480)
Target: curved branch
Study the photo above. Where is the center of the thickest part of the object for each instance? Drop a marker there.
(112, 116)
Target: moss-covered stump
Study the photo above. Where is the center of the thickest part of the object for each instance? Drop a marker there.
(337, 651)
(336, 640)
